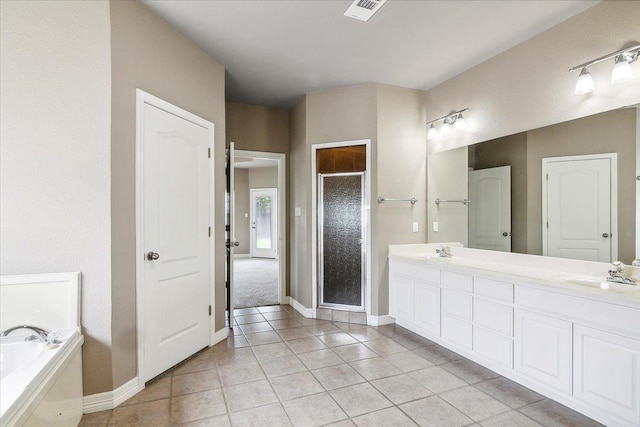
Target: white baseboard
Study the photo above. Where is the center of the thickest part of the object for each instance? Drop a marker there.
(385, 319)
(241, 256)
(286, 300)
(305, 311)
(110, 399)
(219, 336)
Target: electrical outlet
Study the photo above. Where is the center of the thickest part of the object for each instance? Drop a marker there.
(298, 212)
(415, 227)
(435, 226)
(246, 215)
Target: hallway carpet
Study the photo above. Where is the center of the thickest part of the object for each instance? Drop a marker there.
(255, 282)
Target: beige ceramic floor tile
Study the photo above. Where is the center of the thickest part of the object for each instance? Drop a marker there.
(154, 413)
(196, 406)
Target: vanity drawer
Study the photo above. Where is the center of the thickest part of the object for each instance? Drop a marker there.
(493, 347)
(415, 271)
(502, 291)
(494, 316)
(457, 304)
(458, 281)
(456, 331)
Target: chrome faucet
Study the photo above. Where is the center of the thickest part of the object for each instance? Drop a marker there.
(40, 334)
(616, 274)
(444, 251)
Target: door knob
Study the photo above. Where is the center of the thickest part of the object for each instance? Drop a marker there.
(605, 235)
(152, 256)
(505, 234)
(232, 243)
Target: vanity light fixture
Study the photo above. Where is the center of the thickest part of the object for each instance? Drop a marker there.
(585, 82)
(621, 69)
(446, 127)
(433, 133)
(451, 121)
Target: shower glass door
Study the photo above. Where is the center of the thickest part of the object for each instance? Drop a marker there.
(340, 240)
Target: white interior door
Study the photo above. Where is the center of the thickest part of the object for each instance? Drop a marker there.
(578, 199)
(264, 223)
(231, 233)
(175, 238)
(490, 209)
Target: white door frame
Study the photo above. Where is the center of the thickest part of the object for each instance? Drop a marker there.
(366, 219)
(613, 157)
(252, 232)
(282, 197)
(143, 98)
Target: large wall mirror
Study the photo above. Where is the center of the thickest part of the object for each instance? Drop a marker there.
(567, 190)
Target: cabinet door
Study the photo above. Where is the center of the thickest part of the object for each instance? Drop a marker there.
(543, 349)
(426, 309)
(606, 372)
(401, 298)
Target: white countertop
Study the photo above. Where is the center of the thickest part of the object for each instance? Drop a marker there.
(581, 278)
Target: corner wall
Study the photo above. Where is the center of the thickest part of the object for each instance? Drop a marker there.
(149, 54)
(55, 70)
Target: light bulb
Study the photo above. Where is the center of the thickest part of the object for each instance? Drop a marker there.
(461, 124)
(433, 133)
(446, 127)
(621, 70)
(585, 82)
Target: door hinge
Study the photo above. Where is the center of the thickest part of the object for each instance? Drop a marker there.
(547, 177)
(209, 231)
(209, 152)
(209, 310)
(547, 224)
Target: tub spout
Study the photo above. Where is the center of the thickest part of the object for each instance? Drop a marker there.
(39, 331)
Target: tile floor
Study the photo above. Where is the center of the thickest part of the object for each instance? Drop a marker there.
(277, 368)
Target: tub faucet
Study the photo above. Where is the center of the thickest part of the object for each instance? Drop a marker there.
(616, 274)
(40, 334)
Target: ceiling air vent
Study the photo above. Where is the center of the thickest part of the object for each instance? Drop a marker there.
(364, 9)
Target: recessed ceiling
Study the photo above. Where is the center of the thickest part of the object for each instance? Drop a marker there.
(275, 51)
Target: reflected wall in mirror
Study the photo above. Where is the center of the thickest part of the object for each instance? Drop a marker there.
(455, 174)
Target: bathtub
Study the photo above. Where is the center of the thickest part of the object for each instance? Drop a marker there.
(40, 385)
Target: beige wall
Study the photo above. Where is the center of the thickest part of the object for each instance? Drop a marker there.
(341, 114)
(528, 86)
(393, 119)
(263, 178)
(512, 151)
(54, 157)
(149, 54)
(242, 224)
(611, 132)
(401, 160)
(299, 191)
(452, 218)
(256, 128)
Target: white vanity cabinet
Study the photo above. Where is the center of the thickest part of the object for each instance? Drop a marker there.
(543, 349)
(578, 350)
(606, 372)
(415, 301)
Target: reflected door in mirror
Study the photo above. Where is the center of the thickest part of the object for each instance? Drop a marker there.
(490, 209)
(578, 207)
